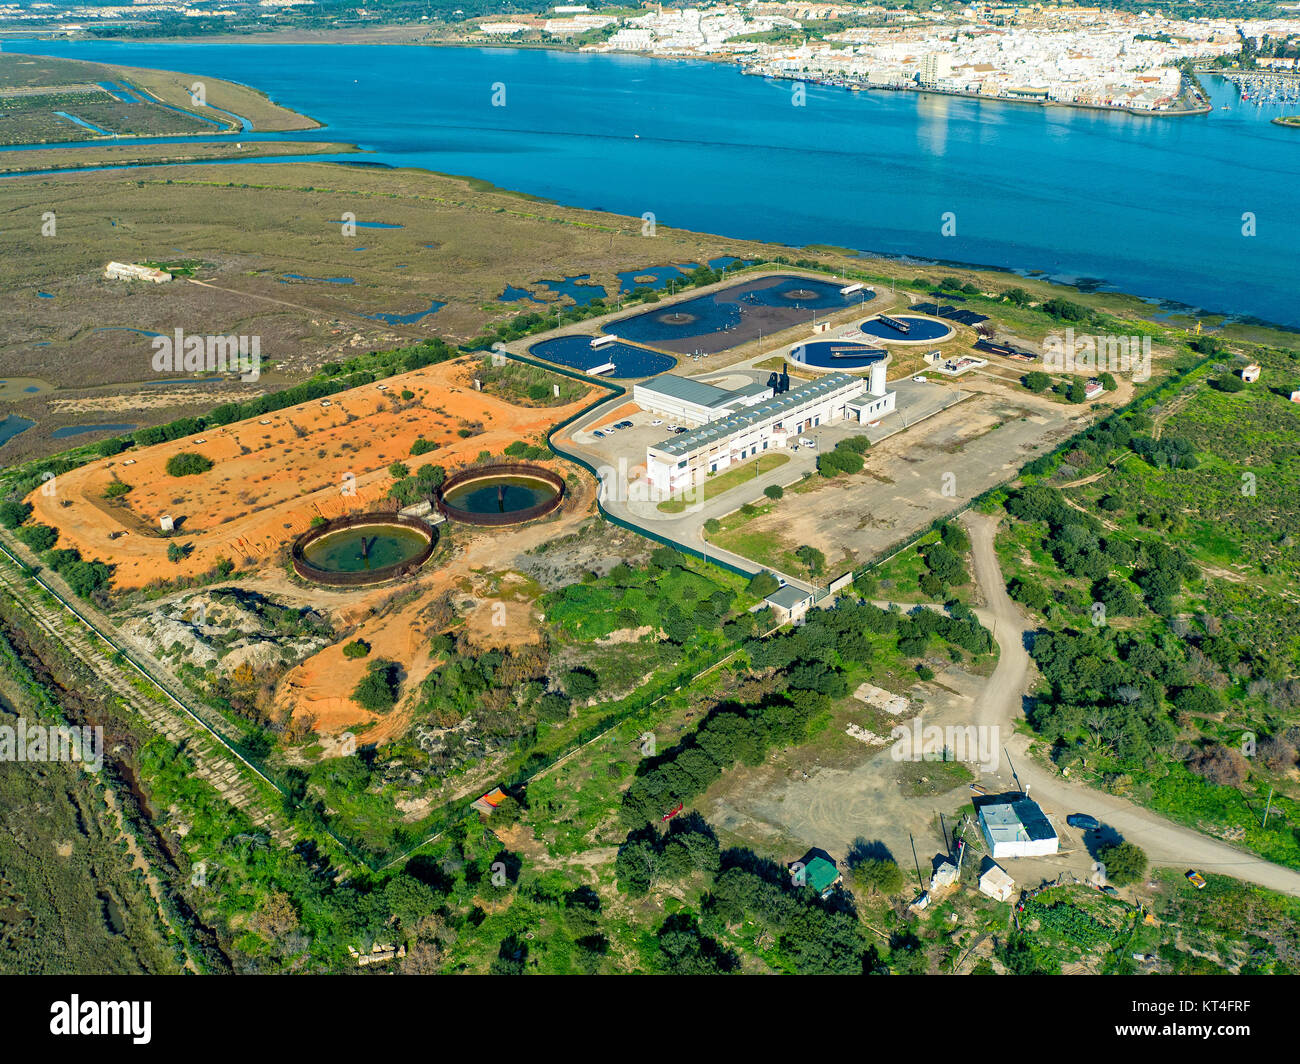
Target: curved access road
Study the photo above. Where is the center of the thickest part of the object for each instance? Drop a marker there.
(1165, 842)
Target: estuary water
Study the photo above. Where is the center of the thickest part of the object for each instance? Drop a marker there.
(1197, 210)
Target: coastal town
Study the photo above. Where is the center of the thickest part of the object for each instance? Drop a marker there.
(1070, 55)
(1101, 57)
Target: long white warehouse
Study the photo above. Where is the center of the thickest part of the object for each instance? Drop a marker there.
(768, 423)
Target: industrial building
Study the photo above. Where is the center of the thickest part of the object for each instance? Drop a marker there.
(683, 399)
(746, 430)
(1014, 826)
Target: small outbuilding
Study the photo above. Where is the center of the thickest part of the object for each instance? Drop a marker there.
(817, 869)
(790, 603)
(997, 884)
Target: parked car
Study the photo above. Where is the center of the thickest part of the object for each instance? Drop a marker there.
(623, 425)
(657, 421)
(920, 378)
(1195, 879)
(1084, 821)
(1111, 891)
(679, 430)
(598, 434)
(804, 441)
(672, 428)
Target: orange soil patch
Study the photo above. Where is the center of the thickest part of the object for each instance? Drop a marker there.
(626, 410)
(273, 474)
(320, 688)
(502, 624)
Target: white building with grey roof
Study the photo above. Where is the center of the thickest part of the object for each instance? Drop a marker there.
(741, 426)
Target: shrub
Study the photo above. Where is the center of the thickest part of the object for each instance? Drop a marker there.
(762, 584)
(774, 492)
(1220, 765)
(358, 648)
(377, 689)
(1125, 863)
(13, 514)
(116, 490)
(39, 537)
(712, 525)
(553, 706)
(878, 875)
(188, 464)
(811, 557)
(581, 684)
(113, 445)
(423, 446)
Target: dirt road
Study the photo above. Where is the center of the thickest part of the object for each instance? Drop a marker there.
(1000, 704)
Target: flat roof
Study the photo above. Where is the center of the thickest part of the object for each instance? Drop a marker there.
(807, 392)
(1016, 820)
(687, 390)
(788, 596)
(746, 390)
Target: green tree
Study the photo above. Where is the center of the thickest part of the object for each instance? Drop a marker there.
(813, 559)
(581, 684)
(1036, 381)
(762, 584)
(377, 689)
(1125, 862)
(774, 492)
(877, 875)
(358, 648)
(13, 514)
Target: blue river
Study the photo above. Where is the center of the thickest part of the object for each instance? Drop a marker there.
(1160, 207)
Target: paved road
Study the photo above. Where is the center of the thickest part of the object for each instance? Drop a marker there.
(1165, 843)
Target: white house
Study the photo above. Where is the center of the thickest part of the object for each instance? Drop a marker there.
(1016, 827)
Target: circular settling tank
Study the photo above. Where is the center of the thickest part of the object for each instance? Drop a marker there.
(837, 354)
(365, 549)
(918, 330)
(500, 494)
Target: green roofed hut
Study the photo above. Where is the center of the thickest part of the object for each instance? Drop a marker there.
(818, 871)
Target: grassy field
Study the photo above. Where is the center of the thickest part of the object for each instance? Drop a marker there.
(17, 162)
(732, 478)
(460, 242)
(33, 88)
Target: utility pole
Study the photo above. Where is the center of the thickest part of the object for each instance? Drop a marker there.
(916, 861)
(1267, 808)
(1013, 770)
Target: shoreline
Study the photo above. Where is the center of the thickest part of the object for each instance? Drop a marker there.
(1182, 112)
(291, 37)
(904, 259)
